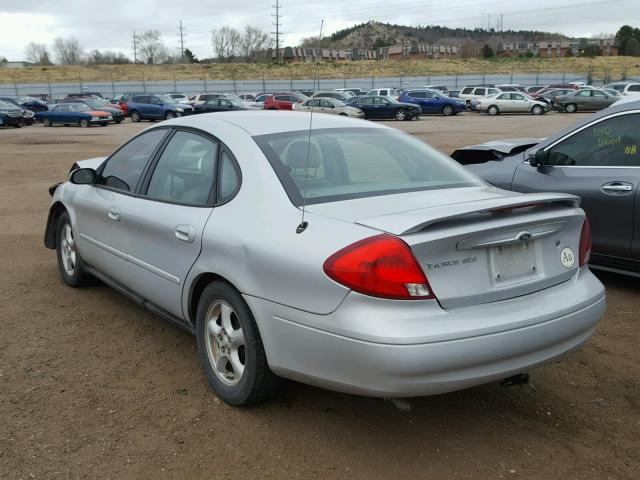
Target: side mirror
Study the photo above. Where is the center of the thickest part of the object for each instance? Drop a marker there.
(537, 158)
(83, 176)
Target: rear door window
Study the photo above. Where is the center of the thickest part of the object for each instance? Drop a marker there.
(479, 91)
(466, 91)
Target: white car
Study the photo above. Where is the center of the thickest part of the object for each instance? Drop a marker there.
(511, 102)
(471, 93)
(328, 105)
(384, 92)
(205, 97)
(625, 88)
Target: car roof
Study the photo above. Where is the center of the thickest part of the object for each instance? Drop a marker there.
(265, 122)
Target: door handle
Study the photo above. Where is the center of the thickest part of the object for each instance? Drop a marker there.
(617, 188)
(114, 214)
(186, 233)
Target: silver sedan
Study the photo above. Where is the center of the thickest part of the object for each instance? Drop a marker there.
(511, 102)
(351, 256)
(328, 105)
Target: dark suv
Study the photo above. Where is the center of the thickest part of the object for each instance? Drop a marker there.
(155, 107)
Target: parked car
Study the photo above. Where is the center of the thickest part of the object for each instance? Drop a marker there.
(551, 95)
(511, 102)
(27, 116)
(73, 114)
(116, 113)
(355, 91)
(44, 97)
(155, 107)
(258, 101)
(625, 88)
(283, 101)
(543, 91)
(596, 159)
(28, 103)
(342, 96)
(205, 97)
(511, 87)
(178, 97)
(384, 92)
(328, 105)
(220, 105)
(470, 93)
(432, 101)
(10, 115)
(533, 89)
(84, 94)
(613, 92)
(408, 277)
(584, 100)
(247, 97)
(379, 107)
(440, 88)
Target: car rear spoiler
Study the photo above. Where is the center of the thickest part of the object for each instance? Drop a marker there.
(494, 150)
(416, 220)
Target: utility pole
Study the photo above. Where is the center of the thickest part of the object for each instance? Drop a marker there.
(181, 35)
(488, 22)
(501, 23)
(135, 47)
(277, 33)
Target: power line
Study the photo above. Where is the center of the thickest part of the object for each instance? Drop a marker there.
(277, 33)
(181, 35)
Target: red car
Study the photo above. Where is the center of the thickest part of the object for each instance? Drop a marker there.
(283, 101)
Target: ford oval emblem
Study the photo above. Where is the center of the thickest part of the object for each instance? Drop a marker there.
(524, 236)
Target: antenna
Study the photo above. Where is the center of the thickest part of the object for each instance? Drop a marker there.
(316, 81)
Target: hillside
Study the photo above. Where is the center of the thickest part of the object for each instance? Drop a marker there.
(600, 66)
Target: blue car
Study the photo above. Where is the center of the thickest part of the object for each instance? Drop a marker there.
(378, 107)
(432, 101)
(73, 114)
(156, 107)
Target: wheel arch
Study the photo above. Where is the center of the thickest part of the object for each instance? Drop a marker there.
(197, 287)
(55, 211)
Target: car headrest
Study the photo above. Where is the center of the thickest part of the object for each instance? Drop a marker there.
(297, 155)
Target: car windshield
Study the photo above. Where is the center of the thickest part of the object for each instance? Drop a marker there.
(6, 105)
(346, 163)
(165, 99)
(233, 98)
(93, 103)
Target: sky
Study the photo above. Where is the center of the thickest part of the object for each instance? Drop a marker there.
(109, 25)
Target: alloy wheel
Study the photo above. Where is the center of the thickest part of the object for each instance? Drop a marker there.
(225, 343)
(68, 250)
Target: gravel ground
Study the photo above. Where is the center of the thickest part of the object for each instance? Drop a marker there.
(93, 386)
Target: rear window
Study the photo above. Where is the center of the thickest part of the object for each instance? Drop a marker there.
(634, 88)
(467, 90)
(356, 163)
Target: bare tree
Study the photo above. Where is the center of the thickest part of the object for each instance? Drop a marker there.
(37, 53)
(226, 43)
(253, 39)
(151, 48)
(68, 51)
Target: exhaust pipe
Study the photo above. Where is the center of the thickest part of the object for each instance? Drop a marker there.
(519, 380)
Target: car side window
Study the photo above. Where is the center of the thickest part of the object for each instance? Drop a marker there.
(634, 88)
(466, 91)
(124, 168)
(326, 104)
(479, 91)
(584, 93)
(516, 96)
(612, 142)
(595, 93)
(185, 172)
(384, 92)
(365, 101)
(229, 178)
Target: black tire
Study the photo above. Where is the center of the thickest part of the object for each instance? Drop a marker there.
(17, 125)
(84, 123)
(257, 382)
(104, 124)
(571, 108)
(169, 115)
(79, 276)
(493, 110)
(135, 116)
(343, 115)
(537, 110)
(46, 122)
(118, 122)
(447, 110)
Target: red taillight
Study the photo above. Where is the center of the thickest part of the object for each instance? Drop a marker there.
(585, 244)
(380, 266)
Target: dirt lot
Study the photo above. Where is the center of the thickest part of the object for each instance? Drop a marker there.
(93, 386)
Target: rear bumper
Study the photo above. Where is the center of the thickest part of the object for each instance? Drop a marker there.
(454, 358)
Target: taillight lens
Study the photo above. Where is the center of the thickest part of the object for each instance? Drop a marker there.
(585, 244)
(380, 266)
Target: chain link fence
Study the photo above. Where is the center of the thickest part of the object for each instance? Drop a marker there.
(192, 87)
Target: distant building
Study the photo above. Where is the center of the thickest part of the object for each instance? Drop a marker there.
(417, 50)
(17, 64)
(557, 48)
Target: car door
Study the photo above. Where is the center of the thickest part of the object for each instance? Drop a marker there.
(102, 226)
(60, 114)
(583, 100)
(600, 163)
(165, 222)
(326, 106)
(366, 105)
(155, 108)
(520, 102)
(599, 100)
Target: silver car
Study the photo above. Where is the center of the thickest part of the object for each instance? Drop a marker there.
(351, 256)
(511, 102)
(328, 105)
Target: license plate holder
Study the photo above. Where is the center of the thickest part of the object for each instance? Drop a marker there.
(513, 262)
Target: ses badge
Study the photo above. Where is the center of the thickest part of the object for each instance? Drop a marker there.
(567, 258)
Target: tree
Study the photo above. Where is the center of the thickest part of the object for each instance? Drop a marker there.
(189, 57)
(627, 38)
(225, 41)
(252, 39)
(37, 53)
(95, 58)
(68, 51)
(151, 47)
(487, 51)
(632, 47)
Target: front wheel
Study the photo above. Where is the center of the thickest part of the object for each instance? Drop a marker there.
(84, 123)
(536, 110)
(447, 110)
(401, 115)
(135, 116)
(493, 110)
(230, 348)
(571, 108)
(46, 122)
(169, 115)
(69, 261)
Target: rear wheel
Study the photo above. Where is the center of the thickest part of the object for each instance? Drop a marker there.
(571, 108)
(84, 123)
(135, 115)
(536, 110)
(169, 115)
(69, 262)
(46, 122)
(401, 115)
(447, 110)
(230, 347)
(118, 122)
(493, 110)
